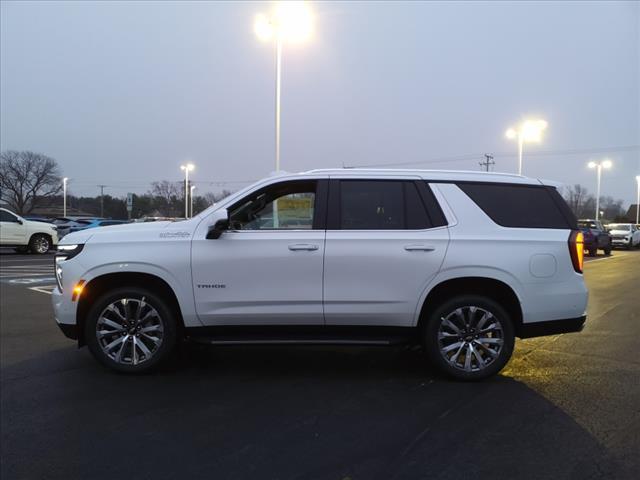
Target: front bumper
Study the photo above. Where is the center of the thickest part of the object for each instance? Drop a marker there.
(69, 331)
(552, 327)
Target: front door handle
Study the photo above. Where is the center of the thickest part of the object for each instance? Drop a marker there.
(303, 246)
(418, 248)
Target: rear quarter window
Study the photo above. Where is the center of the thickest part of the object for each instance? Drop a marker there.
(521, 206)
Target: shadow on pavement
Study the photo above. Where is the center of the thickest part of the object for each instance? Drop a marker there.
(275, 412)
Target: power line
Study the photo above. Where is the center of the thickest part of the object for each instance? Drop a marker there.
(473, 156)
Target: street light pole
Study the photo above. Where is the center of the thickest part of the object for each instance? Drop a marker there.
(278, 90)
(599, 174)
(64, 196)
(527, 131)
(290, 22)
(599, 166)
(193, 187)
(186, 168)
(520, 148)
(638, 201)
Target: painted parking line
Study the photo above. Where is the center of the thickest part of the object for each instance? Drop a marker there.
(46, 289)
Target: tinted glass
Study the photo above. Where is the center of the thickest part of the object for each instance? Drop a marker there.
(381, 205)
(287, 206)
(520, 206)
(7, 217)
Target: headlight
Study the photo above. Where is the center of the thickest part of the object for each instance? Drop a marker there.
(64, 253)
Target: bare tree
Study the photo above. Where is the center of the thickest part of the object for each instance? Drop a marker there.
(168, 191)
(26, 178)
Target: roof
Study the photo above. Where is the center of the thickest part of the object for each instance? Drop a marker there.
(435, 175)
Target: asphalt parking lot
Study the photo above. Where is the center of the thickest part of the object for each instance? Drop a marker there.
(566, 406)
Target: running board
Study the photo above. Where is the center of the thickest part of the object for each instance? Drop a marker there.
(268, 335)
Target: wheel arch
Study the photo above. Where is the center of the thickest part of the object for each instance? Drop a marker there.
(495, 289)
(108, 281)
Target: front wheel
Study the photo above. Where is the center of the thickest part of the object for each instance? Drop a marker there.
(39, 244)
(469, 337)
(130, 330)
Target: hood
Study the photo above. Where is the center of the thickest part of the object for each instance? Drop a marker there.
(124, 230)
(40, 225)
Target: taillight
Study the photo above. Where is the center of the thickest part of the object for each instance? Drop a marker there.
(576, 249)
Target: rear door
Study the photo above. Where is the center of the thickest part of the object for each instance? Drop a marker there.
(386, 239)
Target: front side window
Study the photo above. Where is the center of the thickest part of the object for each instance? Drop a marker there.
(7, 217)
(381, 205)
(287, 206)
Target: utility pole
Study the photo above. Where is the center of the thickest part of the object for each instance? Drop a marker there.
(102, 199)
(487, 162)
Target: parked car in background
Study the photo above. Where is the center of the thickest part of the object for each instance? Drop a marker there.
(624, 234)
(93, 223)
(26, 235)
(65, 224)
(596, 237)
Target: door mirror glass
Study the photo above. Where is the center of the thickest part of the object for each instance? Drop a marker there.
(216, 230)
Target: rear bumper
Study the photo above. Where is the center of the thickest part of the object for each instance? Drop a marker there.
(552, 327)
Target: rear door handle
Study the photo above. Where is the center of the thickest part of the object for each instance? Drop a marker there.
(303, 246)
(418, 248)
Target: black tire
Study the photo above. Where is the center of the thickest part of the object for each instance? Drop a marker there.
(165, 316)
(593, 252)
(39, 243)
(433, 347)
(607, 250)
(22, 250)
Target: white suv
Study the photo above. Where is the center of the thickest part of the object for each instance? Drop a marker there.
(460, 262)
(26, 235)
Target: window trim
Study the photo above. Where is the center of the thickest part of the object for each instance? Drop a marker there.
(424, 193)
(15, 217)
(319, 210)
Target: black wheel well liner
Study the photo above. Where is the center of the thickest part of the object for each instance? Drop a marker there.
(98, 285)
(494, 289)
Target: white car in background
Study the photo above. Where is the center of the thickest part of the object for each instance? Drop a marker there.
(26, 235)
(624, 235)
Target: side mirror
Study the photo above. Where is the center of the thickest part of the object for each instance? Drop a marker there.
(20, 221)
(216, 230)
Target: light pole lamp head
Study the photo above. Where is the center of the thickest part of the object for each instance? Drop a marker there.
(188, 167)
(290, 21)
(607, 164)
(592, 165)
(531, 130)
(511, 133)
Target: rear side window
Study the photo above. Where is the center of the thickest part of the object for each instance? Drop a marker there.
(381, 205)
(521, 206)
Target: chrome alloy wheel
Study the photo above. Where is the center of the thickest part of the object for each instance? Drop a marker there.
(470, 338)
(129, 331)
(41, 244)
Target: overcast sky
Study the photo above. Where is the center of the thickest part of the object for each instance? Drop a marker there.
(121, 93)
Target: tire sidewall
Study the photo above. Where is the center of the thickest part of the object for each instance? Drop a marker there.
(166, 315)
(431, 344)
(33, 240)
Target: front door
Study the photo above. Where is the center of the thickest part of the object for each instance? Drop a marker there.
(267, 268)
(12, 231)
(386, 240)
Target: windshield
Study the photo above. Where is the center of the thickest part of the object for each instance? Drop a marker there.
(620, 226)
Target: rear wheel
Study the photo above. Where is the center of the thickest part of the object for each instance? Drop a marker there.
(130, 330)
(469, 337)
(607, 250)
(39, 244)
(593, 252)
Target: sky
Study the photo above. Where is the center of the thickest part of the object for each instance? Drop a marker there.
(122, 93)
